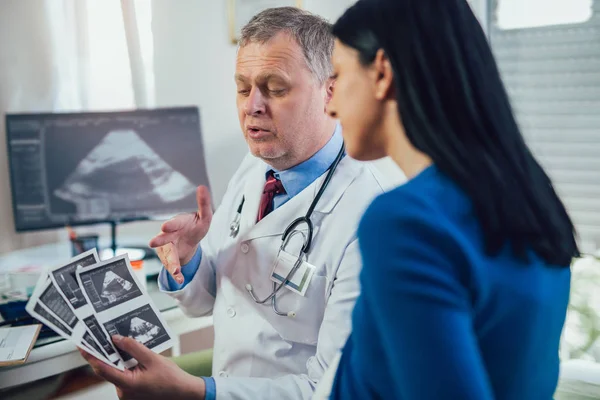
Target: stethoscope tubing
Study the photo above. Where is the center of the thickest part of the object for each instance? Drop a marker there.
(287, 234)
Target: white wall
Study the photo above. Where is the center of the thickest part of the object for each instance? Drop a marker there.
(27, 82)
(195, 63)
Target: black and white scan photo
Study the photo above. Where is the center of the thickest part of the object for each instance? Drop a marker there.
(48, 306)
(66, 280)
(52, 299)
(122, 166)
(89, 341)
(45, 314)
(94, 327)
(141, 324)
(109, 285)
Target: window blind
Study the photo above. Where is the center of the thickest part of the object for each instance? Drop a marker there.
(552, 75)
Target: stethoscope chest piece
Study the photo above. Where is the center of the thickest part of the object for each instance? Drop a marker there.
(234, 227)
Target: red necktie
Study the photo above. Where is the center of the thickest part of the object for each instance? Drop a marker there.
(273, 186)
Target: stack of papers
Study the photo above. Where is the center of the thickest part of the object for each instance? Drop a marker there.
(87, 302)
(16, 343)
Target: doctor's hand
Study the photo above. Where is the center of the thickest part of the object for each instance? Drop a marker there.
(155, 377)
(178, 240)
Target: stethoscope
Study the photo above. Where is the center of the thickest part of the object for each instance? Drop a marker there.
(287, 234)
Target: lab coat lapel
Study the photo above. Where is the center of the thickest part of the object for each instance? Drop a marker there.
(278, 220)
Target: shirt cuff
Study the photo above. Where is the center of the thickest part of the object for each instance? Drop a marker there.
(188, 271)
(211, 389)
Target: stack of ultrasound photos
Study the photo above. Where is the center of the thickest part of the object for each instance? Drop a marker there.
(87, 301)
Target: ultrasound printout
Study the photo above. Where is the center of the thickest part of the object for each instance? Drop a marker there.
(47, 306)
(65, 279)
(122, 305)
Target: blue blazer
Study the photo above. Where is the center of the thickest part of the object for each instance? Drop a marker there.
(439, 319)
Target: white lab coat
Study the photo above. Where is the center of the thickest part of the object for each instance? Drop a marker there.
(258, 354)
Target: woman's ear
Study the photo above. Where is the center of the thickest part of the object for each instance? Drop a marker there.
(384, 82)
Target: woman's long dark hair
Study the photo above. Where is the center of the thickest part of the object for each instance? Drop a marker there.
(455, 109)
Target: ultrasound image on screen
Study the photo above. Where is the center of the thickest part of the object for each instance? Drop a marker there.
(142, 325)
(122, 172)
(85, 167)
(115, 170)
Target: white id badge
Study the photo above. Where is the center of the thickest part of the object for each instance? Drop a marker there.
(298, 283)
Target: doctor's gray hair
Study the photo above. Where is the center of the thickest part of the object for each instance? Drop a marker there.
(311, 32)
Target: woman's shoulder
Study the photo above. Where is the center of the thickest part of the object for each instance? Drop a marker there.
(399, 205)
(428, 213)
(427, 197)
(411, 228)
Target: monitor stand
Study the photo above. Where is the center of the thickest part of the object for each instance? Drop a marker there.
(134, 252)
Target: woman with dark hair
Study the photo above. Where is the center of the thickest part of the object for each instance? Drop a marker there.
(466, 273)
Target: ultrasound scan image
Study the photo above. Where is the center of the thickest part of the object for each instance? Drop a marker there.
(120, 171)
(93, 167)
(141, 324)
(114, 287)
(143, 331)
(109, 285)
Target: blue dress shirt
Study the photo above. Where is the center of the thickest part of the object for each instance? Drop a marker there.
(294, 180)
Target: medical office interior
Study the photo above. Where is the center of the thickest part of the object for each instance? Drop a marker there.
(84, 64)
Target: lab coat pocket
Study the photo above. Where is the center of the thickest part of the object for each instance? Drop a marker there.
(309, 310)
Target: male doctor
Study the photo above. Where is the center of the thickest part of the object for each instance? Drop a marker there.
(270, 349)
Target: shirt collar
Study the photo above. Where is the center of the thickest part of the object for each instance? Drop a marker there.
(298, 178)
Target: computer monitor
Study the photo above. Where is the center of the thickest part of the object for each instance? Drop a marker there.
(88, 168)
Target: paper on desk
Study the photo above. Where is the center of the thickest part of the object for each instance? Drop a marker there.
(122, 305)
(16, 343)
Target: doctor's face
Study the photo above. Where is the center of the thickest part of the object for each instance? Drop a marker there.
(281, 106)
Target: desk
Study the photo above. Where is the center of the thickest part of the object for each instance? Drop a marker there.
(56, 253)
(53, 356)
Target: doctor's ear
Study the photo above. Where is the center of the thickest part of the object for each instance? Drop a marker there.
(329, 85)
